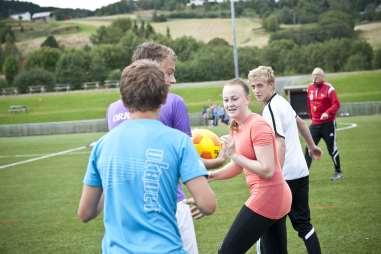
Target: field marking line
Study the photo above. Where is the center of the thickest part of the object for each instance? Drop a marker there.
(349, 126)
(42, 157)
(37, 154)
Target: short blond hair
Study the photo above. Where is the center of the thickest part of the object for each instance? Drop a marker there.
(153, 51)
(318, 71)
(262, 72)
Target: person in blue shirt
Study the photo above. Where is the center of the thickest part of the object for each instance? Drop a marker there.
(137, 166)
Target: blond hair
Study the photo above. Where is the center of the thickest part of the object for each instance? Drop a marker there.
(262, 72)
(153, 51)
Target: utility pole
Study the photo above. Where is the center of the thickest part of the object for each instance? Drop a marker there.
(235, 52)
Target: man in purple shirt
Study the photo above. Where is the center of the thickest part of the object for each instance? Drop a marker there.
(173, 114)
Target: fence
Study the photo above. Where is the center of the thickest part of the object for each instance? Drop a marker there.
(99, 125)
(360, 108)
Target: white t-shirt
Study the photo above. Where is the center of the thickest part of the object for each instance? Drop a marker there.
(281, 116)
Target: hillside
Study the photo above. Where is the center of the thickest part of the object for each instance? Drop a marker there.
(76, 32)
(371, 32)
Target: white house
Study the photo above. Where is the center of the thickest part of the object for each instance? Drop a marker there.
(44, 16)
(202, 2)
(22, 16)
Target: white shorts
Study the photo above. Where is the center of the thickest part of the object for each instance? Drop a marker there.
(186, 227)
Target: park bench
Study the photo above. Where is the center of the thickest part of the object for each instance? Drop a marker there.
(17, 108)
(37, 89)
(9, 90)
(111, 83)
(90, 85)
(62, 87)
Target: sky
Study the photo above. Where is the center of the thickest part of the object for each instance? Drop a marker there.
(82, 4)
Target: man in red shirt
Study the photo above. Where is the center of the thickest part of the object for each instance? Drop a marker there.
(323, 104)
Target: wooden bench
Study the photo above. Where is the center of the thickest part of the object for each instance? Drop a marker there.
(37, 89)
(111, 83)
(90, 85)
(62, 87)
(9, 90)
(17, 108)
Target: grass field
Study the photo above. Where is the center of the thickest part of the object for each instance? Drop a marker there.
(38, 200)
(82, 105)
(371, 32)
(249, 31)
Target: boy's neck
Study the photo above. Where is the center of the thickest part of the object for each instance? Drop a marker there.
(144, 115)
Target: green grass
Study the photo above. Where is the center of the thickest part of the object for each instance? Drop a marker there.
(82, 105)
(38, 200)
(357, 86)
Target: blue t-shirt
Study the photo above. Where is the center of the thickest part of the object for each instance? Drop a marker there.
(138, 165)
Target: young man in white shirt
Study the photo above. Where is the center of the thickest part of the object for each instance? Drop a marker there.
(286, 123)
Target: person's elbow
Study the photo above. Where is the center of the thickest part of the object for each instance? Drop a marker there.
(85, 215)
(209, 205)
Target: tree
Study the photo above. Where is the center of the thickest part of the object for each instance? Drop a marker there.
(377, 59)
(124, 24)
(128, 43)
(185, 47)
(73, 67)
(10, 68)
(271, 23)
(106, 35)
(50, 42)
(45, 58)
(337, 24)
(105, 58)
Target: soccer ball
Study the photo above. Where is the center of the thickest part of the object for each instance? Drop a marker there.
(207, 143)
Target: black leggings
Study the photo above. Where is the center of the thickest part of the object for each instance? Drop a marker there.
(248, 227)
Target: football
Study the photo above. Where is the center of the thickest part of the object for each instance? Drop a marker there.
(207, 143)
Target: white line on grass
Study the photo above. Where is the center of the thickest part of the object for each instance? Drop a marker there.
(42, 157)
(37, 154)
(349, 126)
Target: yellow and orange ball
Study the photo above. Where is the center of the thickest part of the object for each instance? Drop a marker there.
(207, 143)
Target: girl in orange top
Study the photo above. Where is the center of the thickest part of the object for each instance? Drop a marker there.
(251, 147)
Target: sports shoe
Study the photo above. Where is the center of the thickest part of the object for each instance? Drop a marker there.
(336, 176)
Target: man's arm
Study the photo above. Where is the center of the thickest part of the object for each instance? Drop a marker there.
(335, 103)
(181, 118)
(90, 205)
(203, 196)
(281, 149)
(313, 149)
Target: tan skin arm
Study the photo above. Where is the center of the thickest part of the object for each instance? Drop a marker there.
(263, 166)
(90, 204)
(281, 149)
(314, 151)
(203, 196)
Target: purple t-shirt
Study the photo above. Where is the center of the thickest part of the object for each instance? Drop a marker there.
(173, 114)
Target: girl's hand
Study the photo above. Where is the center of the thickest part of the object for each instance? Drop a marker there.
(228, 145)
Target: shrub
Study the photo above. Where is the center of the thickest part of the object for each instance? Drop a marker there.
(114, 74)
(73, 68)
(271, 23)
(377, 59)
(10, 68)
(34, 77)
(45, 58)
(50, 42)
(3, 83)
